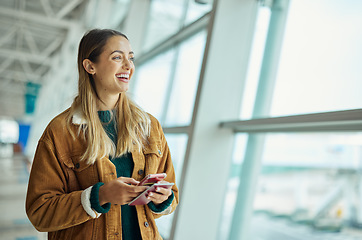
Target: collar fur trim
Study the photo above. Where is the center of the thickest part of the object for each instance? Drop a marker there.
(78, 118)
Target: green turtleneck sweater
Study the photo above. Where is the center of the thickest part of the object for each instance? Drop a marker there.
(124, 167)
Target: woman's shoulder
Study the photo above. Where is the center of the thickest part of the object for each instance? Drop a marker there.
(59, 120)
(156, 130)
(154, 121)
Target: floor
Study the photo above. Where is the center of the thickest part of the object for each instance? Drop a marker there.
(14, 224)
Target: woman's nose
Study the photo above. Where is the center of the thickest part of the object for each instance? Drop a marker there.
(126, 64)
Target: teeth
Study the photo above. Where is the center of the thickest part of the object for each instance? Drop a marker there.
(122, 75)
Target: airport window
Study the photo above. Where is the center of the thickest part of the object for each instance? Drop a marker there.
(151, 81)
(190, 55)
(177, 144)
(309, 181)
(255, 62)
(165, 86)
(232, 185)
(319, 67)
(166, 18)
(197, 9)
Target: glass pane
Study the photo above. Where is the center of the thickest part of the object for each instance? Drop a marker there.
(320, 65)
(151, 81)
(177, 144)
(309, 187)
(166, 18)
(196, 10)
(256, 57)
(188, 66)
(310, 184)
(232, 185)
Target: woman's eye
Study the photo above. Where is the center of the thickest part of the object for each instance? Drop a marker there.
(131, 59)
(117, 58)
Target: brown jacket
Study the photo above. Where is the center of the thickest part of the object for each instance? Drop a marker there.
(58, 177)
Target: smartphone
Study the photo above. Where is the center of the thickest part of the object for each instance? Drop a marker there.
(142, 198)
(150, 179)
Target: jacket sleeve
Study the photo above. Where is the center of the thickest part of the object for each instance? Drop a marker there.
(166, 166)
(48, 205)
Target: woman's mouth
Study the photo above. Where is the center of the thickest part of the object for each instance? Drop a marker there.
(124, 77)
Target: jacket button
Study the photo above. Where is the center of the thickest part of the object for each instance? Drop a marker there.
(141, 172)
(116, 233)
(77, 165)
(146, 224)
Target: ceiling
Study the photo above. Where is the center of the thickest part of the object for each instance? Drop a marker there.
(31, 33)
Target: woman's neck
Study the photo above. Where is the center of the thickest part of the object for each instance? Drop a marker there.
(107, 103)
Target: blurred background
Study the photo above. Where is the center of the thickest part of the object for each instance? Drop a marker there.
(260, 101)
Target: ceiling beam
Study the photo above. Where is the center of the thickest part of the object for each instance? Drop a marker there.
(54, 45)
(178, 37)
(47, 8)
(30, 41)
(19, 38)
(32, 17)
(26, 67)
(30, 57)
(68, 8)
(5, 64)
(21, 76)
(39, 31)
(9, 35)
(42, 70)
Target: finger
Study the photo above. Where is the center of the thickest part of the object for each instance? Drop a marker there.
(156, 198)
(140, 188)
(129, 180)
(162, 181)
(164, 191)
(132, 194)
(136, 189)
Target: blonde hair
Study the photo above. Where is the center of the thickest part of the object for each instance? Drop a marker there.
(132, 123)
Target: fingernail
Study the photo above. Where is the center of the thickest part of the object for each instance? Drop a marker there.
(150, 194)
(157, 189)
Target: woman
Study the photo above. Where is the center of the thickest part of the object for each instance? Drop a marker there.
(91, 157)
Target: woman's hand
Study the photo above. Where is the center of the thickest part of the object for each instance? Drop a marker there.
(120, 191)
(160, 195)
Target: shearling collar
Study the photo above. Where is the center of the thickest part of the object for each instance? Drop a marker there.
(78, 118)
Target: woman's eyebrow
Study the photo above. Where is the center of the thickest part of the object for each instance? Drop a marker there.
(119, 51)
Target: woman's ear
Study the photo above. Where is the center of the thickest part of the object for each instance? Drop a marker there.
(88, 66)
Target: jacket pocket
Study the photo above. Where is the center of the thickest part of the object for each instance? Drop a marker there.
(80, 173)
(153, 148)
(153, 155)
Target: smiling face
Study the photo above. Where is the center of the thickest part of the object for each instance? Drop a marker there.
(113, 69)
